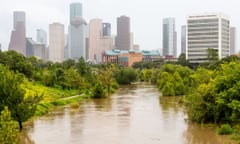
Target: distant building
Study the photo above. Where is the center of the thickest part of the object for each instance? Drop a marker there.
(95, 33)
(136, 47)
(150, 56)
(207, 31)
(183, 40)
(122, 57)
(35, 49)
(77, 33)
(169, 38)
(129, 57)
(123, 40)
(233, 40)
(56, 42)
(42, 36)
(106, 29)
(18, 36)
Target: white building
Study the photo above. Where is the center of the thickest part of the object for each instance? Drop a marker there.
(56, 42)
(207, 31)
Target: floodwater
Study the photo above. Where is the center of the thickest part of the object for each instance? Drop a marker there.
(135, 114)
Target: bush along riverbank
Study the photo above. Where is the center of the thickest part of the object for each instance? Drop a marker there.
(210, 92)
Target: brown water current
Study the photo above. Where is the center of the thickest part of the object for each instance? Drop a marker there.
(135, 114)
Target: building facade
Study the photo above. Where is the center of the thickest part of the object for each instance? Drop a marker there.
(35, 49)
(95, 34)
(207, 31)
(56, 42)
(42, 36)
(183, 39)
(106, 29)
(169, 38)
(233, 40)
(77, 33)
(18, 35)
(123, 39)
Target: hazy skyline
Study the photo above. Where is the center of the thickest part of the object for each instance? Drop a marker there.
(145, 16)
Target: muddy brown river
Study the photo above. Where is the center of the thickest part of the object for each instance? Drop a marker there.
(135, 114)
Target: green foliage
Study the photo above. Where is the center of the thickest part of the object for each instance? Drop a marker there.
(173, 80)
(225, 129)
(126, 75)
(9, 133)
(99, 91)
(13, 96)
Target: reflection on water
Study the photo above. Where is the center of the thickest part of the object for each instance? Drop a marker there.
(136, 114)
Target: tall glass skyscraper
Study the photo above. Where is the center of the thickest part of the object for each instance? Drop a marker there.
(106, 29)
(77, 33)
(169, 38)
(18, 36)
(75, 11)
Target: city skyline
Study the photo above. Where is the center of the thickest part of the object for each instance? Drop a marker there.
(145, 22)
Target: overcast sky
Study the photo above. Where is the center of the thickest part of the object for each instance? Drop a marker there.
(146, 15)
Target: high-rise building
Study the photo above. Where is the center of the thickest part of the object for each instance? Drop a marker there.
(233, 40)
(123, 33)
(95, 34)
(183, 40)
(106, 29)
(77, 33)
(207, 31)
(18, 36)
(35, 49)
(56, 42)
(169, 38)
(75, 11)
(42, 36)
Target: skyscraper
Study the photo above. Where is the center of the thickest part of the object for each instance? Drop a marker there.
(106, 29)
(42, 36)
(18, 36)
(77, 32)
(206, 31)
(123, 33)
(233, 40)
(183, 40)
(56, 42)
(95, 34)
(75, 11)
(169, 38)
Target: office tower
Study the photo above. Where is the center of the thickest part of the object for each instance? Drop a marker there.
(77, 33)
(35, 49)
(207, 31)
(106, 29)
(233, 40)
(18, 36)
(56, 42)
(42, 36)
(123, 33)
(169, 38)
(183, 40)
(75, 11)
(95, 34)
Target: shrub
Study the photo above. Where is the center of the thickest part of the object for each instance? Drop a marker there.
(225, 129)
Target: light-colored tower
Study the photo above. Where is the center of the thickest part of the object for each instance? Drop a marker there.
(123, 33)
(77, 33)
(169, 40)
(233, 40)
(56, 42)
(210, 30)
(183, 39)
(18, 36)
(95, 35)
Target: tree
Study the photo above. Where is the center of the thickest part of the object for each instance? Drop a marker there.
(12, 95)
(8, 128)
(212, 54)
(182, 60)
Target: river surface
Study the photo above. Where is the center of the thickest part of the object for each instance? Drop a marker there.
(135, 114)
